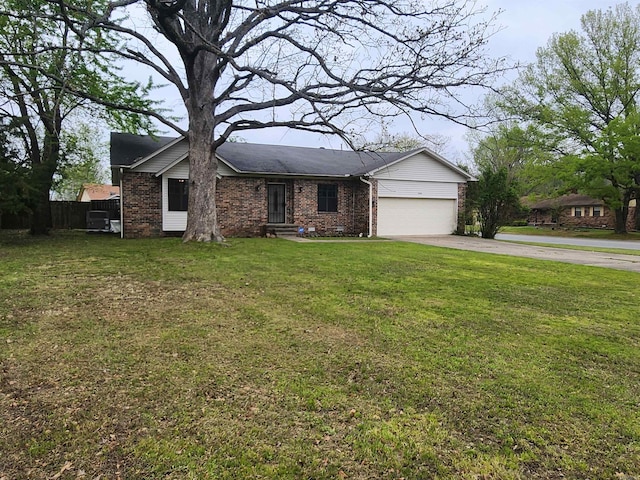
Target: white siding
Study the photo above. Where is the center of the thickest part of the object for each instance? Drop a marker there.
(420, 167)
(225, 171)
(164, 159)
(417, 196)
(413, 189)
(173, 221)
(177, 221)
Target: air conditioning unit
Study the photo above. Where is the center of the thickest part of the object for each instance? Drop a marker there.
(98, 221)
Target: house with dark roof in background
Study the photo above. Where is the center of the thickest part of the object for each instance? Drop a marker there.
(265, 188)
(575, 211)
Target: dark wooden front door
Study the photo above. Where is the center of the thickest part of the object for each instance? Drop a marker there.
(276, 192)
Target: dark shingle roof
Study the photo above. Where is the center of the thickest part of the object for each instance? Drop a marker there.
(277, 159)
(253, 158)
(571, 200)
(126, 148)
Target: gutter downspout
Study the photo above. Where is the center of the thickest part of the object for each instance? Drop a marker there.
(121, 209)
(370, 234)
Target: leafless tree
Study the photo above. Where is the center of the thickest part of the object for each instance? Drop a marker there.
(321, 66)
(385, 141)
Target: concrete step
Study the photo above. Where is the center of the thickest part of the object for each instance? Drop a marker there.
(281, 229)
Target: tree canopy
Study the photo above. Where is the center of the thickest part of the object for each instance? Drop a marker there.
(520, 150)
(14, 188)
(494, 198)
(582, 93)
(46, 72)
(82, 162)
(385, 141)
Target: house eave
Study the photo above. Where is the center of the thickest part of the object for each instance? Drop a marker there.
(156, 152)
(172, 164)
(295, 175)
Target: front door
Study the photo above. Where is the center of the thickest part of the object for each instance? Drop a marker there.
(276, 192)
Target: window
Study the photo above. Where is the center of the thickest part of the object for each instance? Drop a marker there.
(178, 194)
(577, 212)
(586, 211)
(597, 212)
(327, 197)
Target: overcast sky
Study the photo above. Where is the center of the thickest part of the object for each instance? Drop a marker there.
(525, 26)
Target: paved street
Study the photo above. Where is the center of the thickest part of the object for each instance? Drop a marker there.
(502, 247)
(582, 242)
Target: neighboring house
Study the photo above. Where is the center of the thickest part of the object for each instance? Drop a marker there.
(96, 191)
(264, 187)
(575, 210)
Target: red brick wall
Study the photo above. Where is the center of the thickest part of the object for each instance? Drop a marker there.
(242, 205)
(353, 207)
(362, 207)
(141, 205)
(460, 221)
(607, 220)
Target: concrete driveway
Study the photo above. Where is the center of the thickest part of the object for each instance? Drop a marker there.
(582, 257)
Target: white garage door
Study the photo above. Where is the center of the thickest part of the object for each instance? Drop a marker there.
(416, 216)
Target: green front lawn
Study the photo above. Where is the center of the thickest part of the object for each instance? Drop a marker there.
(275, 359)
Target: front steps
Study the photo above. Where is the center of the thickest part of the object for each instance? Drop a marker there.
(280, 230)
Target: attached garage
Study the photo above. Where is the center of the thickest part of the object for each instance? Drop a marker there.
(418, 196)
(416, 216)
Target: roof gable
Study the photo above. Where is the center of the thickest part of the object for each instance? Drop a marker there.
(126, 149)
(423, 165)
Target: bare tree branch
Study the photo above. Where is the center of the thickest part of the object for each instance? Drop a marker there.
(317, 65)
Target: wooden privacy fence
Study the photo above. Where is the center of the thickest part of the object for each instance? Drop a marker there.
(66, 215)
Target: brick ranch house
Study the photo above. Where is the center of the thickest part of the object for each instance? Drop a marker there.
(262, 188)
(576, 211)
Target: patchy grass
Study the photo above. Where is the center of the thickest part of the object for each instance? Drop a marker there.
(597, 233)
(275, 359)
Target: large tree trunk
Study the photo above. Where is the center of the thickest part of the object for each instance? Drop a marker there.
(41, 213)
(622, 213)
(42, 173)
(202, 218)
(636, 196)
(621, 220)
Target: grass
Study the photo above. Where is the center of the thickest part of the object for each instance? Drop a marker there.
(275, 359)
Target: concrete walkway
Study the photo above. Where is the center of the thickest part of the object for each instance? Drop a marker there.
(582, 257)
